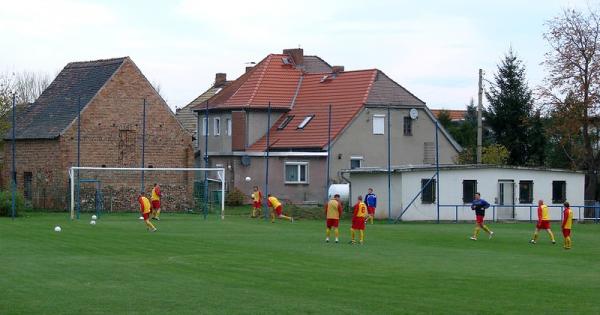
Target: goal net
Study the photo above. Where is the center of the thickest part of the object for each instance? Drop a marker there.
(105, 189)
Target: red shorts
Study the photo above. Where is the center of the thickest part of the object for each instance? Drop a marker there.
(333, 223)
(146, 215)
(279, 210)
(479, 219)
(358, 223)
(543, 225)
(371, 210)
(566, 232)
(256, 204)
(155, 204)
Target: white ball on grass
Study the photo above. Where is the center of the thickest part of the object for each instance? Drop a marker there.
(94, 217)
(141, 218)
(93, 222)
(57, 229)
(248, 178)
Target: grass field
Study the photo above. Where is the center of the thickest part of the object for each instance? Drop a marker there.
(239, 265)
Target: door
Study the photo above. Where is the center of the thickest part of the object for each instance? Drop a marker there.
(506, 200)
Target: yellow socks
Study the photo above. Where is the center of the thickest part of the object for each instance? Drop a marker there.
(337, 233)
(371, 217)
(486, 229)
(157, 214)
(327, 232)
(150, 225)
(476, 232)
(362, 235)
(535, 236)
(352, 234)
(551, 236)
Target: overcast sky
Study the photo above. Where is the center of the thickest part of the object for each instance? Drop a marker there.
(432, 48)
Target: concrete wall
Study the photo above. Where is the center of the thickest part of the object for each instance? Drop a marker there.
(407, 185)
(359, 140)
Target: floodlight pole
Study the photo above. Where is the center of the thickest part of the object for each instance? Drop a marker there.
(206, 160)
(14, 164)
(78, 154)
(389, 165)
(267, 161)
(328, 154)
(143, 143)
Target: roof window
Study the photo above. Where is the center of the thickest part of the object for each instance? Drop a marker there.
(305, 122)
(285, 122)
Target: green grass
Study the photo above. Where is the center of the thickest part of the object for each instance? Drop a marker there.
(239, 265)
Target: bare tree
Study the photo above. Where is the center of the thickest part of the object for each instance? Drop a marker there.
(572, 87)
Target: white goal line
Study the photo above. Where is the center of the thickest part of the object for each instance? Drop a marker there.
(220, 174)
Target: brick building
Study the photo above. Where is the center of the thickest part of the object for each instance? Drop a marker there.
(111, 95)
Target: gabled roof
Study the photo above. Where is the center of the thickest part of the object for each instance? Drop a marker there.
(314, 64)
(58, 105)
(346, 92)
(186, 115)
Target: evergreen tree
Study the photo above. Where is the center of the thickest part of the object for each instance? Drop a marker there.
(510, 112)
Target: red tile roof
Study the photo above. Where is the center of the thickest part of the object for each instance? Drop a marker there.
(455, 114)
(346, 92)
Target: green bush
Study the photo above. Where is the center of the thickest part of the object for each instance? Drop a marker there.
(6, 203)
(235, 197)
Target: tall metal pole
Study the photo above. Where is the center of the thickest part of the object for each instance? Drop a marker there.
(14, 164)
(328, 154)
(78, 154)
(143, 143)
(206, 160)
(389, 164)
(437, 170)
(267, 160)
(479, 124)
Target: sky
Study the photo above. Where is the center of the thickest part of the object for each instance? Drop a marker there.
(432, 48)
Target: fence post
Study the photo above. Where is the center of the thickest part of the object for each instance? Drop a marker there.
(597, 210)
(530, 214)
(456, 214)
(494, 213)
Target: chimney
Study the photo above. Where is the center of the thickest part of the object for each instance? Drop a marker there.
(297, 54)
(337, 69)
(220, 79)
(248, 68)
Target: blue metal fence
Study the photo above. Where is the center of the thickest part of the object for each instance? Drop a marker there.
(578, 211)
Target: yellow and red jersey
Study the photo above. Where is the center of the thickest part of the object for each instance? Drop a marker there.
(155, 193)
(360, 210)
(257, 196)
(333, 209)
(144, 204)
(273, 202)
(567, 219)
(543, 213)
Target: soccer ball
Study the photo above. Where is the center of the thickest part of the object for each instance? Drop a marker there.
(57, 229)
(248, 178)
(141, 218)
(93, 222)
(252, 196)
(94, 217)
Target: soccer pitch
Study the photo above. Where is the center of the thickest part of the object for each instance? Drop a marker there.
(241, 265)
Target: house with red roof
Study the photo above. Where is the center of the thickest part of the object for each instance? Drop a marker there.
(287, 96)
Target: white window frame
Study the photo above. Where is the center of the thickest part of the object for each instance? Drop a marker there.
(297, 164)
(217, 126)
(305, 121)
(205, 129)
(356, 158)
(379, 130)
(228, 123)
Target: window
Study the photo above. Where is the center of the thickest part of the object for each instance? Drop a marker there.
(296, 172)
(204, 126)
(285, 122)
(356, 162)
(428, 194)
(407, 126)
(27, 189)
(526, 191)
(305, 122)
(217, 126)
(228, 122)
(378, 124)
(469, 190)
(428, 153)
(559, 191)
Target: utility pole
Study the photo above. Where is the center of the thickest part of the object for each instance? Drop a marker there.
(479, 109)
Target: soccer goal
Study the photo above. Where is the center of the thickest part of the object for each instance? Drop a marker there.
(114, 189)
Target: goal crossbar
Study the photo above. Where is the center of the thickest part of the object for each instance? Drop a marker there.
(73, 169)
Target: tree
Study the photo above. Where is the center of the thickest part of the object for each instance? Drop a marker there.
(510, 112)
(444, 119)
(572, 88)
(496, 154)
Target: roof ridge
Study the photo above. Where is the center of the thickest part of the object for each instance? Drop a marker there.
(95, 63)
(260, 79)
(366, 97)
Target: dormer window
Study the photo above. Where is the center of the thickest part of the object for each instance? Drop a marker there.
(305, 122)
(285, 122)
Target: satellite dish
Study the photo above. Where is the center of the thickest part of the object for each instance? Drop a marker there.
(245, 160)
(414, 113)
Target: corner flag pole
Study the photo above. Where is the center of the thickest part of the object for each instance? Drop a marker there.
(14, 164)
(267, 161)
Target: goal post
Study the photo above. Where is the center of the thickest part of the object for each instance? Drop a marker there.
(185, 188)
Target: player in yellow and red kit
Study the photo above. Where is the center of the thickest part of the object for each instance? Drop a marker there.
(277, 209)
(359, 218)
(567, 223)
(333, 212)
(145, 210)
(256, 202)
(543, 223)
(155, 196)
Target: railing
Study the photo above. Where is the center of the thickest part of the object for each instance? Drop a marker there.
(532, 208)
